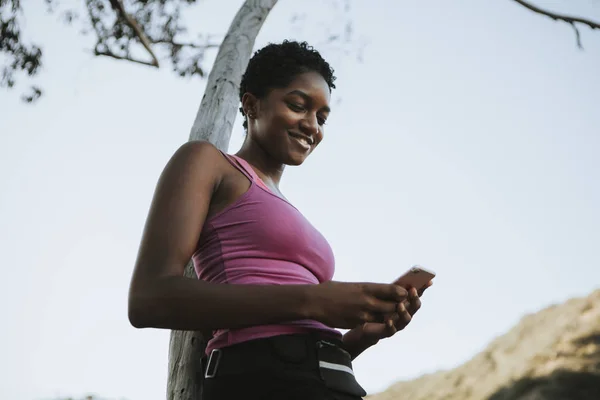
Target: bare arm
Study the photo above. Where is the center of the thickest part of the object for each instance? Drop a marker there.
(159, 295)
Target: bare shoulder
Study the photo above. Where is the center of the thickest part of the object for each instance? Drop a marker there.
(198, 159)
(195, 166)
(199, 151)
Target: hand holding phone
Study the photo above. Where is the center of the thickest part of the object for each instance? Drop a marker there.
(417, 277)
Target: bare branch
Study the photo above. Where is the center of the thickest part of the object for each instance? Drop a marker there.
(120, 9)
(109, 53)
(561, 17)
(191, 45)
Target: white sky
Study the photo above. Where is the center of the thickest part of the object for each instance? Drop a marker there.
(467, 141)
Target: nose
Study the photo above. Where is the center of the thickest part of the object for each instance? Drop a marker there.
(310, 125)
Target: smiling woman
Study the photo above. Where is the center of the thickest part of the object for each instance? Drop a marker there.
(285, 96)
(289, 122)
(264, 284)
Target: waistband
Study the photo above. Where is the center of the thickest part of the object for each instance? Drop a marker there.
(298, 351)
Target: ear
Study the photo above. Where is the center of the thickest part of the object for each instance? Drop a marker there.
(250, 105)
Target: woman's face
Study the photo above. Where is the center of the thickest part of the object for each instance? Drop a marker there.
(288, 123)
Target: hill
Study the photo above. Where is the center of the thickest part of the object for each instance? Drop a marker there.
(553, 354)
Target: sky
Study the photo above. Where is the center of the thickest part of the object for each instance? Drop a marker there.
(465, 139)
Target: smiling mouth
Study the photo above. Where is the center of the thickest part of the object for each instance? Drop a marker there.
(304, 141)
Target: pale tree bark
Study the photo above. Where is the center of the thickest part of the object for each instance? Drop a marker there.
(213, 123)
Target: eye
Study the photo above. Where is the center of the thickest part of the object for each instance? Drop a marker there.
(296, 107)
(322, 121)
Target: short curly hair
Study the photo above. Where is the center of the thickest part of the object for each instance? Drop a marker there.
(276, 65)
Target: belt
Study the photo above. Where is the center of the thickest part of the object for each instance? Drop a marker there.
(298, 351)
(301, 352)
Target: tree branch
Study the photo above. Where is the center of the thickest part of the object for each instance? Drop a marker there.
(191, 45)
(120, 9)
(561, 17)
(109, 53)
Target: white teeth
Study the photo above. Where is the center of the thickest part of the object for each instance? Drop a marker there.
(302, 141)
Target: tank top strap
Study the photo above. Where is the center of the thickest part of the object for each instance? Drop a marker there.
(249, 170)
(245, 166)
(242, 165)
(235, 161)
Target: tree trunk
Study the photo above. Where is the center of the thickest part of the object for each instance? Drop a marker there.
(214, 122)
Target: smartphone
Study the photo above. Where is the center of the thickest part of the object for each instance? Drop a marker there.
(417, 277)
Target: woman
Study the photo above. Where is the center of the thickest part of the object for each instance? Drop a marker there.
(264, 287)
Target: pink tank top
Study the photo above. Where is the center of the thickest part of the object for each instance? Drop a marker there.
(262, 239)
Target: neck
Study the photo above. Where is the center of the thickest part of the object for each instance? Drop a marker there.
(268, 168)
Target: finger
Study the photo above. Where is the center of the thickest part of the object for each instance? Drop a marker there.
(404, 317)
(389, 292)
(412, 294)
(408, 300)
(378, 317)
(392, 316)
(394, 293)
(381, 307)
(414, 302)
(414, 305)
(390, 328)
(368, 318)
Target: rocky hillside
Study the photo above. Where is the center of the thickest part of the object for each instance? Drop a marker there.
(551, 355)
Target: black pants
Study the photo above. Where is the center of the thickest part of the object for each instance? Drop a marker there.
(279, 368)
